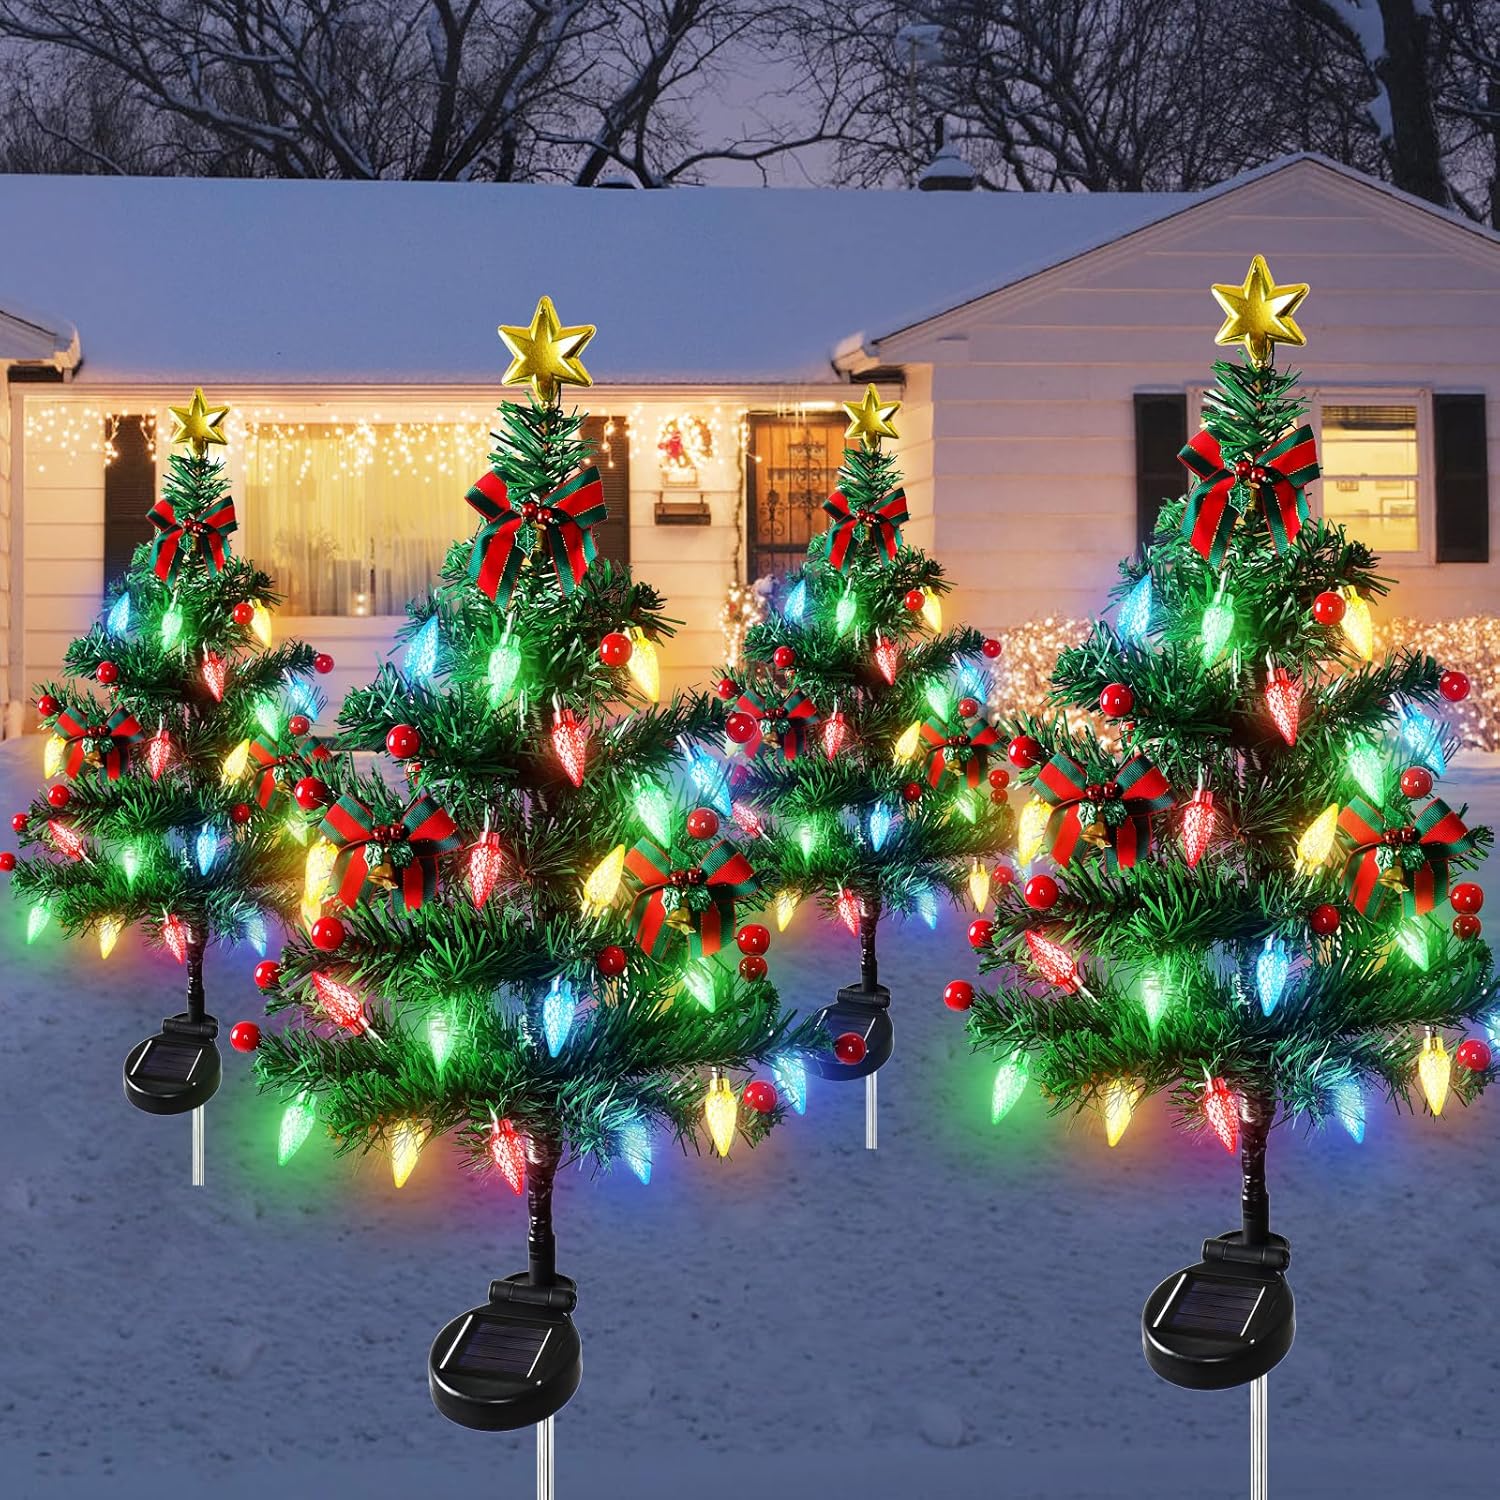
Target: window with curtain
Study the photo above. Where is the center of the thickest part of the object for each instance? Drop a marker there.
(1368, 454)
(793, 465)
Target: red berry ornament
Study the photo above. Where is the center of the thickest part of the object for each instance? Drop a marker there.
(1467, 898)
(403, 741)
(740, 727)
(784, 657)
(615, 649)
(753, 966)
(1328, 608)
(243, 612)
(19, 822)
(1040, 892)
(327, 933)
(1324, 920)
(107, 673)
(850, 1048)
(914, 600)
(244, 1036)
(759, 1096)
(912, 791)
(999, 778)
(59, 796)
(1416, 781)
(267, 974)
(753, 938)
(1454, 686)
(1116, 701)
(702, 823)
(727, 688)
(299, 724)
(7, 861)
(968, 707)
(1023, 752)
(1466, 927)
(323, 663)
(958, 995)
(47, 705)
(1473, 1055)
(310, 793)
(240, 813)
(981, 930)
(1003, 875)
(991, 648)
(611, 961)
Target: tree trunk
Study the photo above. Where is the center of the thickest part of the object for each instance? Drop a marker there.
(1406, 72)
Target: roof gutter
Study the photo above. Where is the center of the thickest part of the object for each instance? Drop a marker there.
(856, 355)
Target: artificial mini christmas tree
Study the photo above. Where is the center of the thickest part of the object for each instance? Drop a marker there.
(1254, 904)
(525, 947)
(860, 743)
(150, 821)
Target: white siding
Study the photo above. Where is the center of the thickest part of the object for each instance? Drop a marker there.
(6, 451)
(1033, 457)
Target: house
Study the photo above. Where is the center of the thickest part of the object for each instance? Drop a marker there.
(1050, 351)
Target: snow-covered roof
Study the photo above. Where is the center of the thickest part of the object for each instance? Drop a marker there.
(185, 280)
(34, 338)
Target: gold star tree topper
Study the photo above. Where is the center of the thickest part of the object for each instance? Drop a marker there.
(546, 355)
(870, 418)
(1259, 313)
(199, 424)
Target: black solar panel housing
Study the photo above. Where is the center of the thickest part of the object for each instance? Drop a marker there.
(1214, 1307)
(168, 1059)
(495, 1348)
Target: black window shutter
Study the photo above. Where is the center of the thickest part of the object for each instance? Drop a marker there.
(1160, 432)
(613, 537)
(1462, 481)
(129, 492)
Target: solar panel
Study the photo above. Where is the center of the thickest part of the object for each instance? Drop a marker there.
(495, 1348)
(838, 1022)
(1209, 1305)
(174, 1060)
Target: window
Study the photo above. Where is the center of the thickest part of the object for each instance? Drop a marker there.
(1160, 432)
(1368, 454)
(355, 518)
(129, 491)
(794, 466)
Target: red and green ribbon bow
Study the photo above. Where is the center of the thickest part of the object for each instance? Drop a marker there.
(177, 535)
(724, 875)
(787, 717)
(959, 744)
(882, 524)
(1118, 810)
(402, 856)
(567, 517)
(109, 740)
(271, 757)
(1277, 477)
(1412, 857)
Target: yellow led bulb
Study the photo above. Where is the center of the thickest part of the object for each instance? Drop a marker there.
(1033, 829)
(1316, 842)
(721, 1111)
(1433, 1071)
(603, 883)
(1119, 1105)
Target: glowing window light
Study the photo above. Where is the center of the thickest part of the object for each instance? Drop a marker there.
(419, 664)
(206, 848)
(503, 669)
(1010, 1084)
(1359, 627)
(1221, 1107)
(406, 1146)
(1217, 627)
(634, 1140)
(881, 819)
(1424, 739)
(297, 1121)
(790, 1073)
(700, 981)
(508, 1152)
(236, 763)
(558, 1009)
(796, 603)
(645, 665)
(1053, 962)
(119, 616)
(110, 929)
(1284, 703)
(603, 883)
(1119, 1105)
(784, 905)
(52, 756)
(1317, 840)
(1367, 767)
(654, 808)
(253, 930)
(1134, 619)
(1348, 1101)
(932, 610)
(979, 884)
(850, 909)
(1032, 832)
(721, 1110)
(36, 922)
(1272, 967)
(908, 743)
(924, 898)
(440, 1039)
(1153, 998)
(1433, 1071)
(171, 625)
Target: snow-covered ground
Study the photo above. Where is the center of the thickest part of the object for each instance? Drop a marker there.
(956, 1315)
